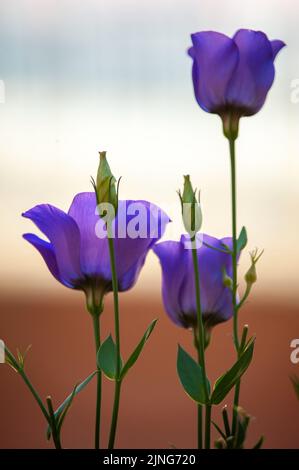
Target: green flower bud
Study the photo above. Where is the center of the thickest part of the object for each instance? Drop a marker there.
(106, 189)
(191, 210)
(227, 281)
(251, 275)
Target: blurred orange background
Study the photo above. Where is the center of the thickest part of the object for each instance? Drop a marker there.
(115, 76)
(154, 410)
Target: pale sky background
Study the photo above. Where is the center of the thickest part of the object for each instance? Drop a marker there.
(83, 76)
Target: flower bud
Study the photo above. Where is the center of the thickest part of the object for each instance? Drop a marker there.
(226, 279)
(106, 184)
(191, 210)
(251, 276)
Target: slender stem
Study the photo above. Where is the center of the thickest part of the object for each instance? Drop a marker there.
(97, 338)
(55, 433)
(201, 349)
(235, 278)
(234, 236)
(237, 388)
(35, 394)
(199, 406)
(25, 378)
(116, 303)
(114, 419)
(114, 414)
(208, 426)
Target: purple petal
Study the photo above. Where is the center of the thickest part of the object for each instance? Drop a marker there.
(92, 248)
(64, 236)
(144, 224)
(276, 45)
(46, 250)
(130, 249)
(211, 263)
(254, 74)
(172, 256)
(129, 279)
(215, 60)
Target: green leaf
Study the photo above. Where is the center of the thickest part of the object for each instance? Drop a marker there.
(295, 382)
(106, 358)
(191, 377)
(242, 240)
(62, 416)
(226, 382)
(219, 430)
(136, 353)
(68, 401)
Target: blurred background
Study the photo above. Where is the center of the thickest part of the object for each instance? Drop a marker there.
(80, 77)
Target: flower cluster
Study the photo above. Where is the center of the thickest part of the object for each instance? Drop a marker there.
(100, 245)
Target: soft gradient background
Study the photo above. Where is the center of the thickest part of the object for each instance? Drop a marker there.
(83, 76)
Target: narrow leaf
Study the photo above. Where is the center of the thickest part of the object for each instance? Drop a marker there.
(227, 381)
(70, 398)
(219, 430)
(242, 240)
(136, 353)
(191, 377)
(106, 358)
(62, 416)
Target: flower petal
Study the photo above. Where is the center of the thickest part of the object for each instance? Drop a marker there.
(83, 211)
(277, 45)
(254, 75)
(133, 218)
(46, 250)
(211, 262)
(64, 236)
(215, 60)
(129, 279)
(172, 256)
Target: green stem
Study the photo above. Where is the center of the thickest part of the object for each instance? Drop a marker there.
(22, 373)
(34, 393)
(201, 349)
(238, 384)
(97, 338)
(55, 433)
(235, 278)
(234, 236)
(208, 426)
(199, 406)
(114, 414)
(114, 419)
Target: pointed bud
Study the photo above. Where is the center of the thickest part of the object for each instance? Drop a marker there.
(191, 210)
(226, 279)
(106, 184)
(251, 276)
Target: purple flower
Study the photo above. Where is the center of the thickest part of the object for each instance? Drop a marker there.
(178, 286)
(75, 254)
(233, 74)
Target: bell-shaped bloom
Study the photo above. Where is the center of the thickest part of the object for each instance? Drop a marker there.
(178, 285)
(233, 74)
(77, 252)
